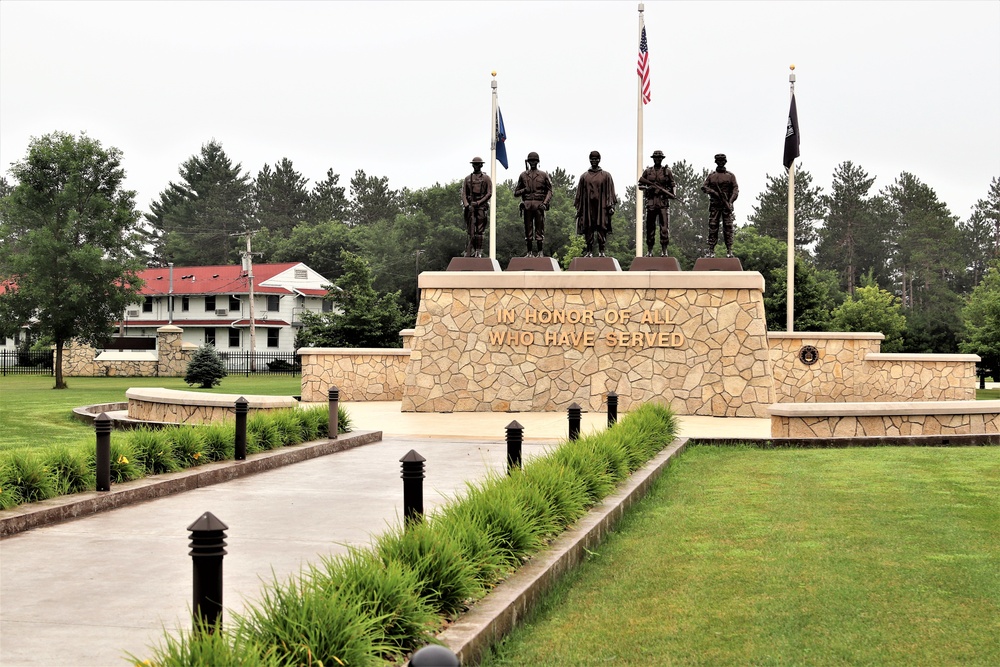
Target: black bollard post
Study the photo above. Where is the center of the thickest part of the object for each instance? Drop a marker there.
(207, 549)
(242, 408)
(413, 486)
(102, 427)
(334, 398)
(612, 409)
(515, 436)
(574, 421)
(434, 656)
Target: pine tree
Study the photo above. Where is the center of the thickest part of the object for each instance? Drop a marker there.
(200, 216)
(280, 198)
(770, 213)
(206, 368)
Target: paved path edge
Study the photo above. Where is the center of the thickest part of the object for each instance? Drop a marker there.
(494, 616)
(66, 508)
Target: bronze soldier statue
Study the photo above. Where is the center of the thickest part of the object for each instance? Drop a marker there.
(534, 187)
(657, 182)
(723, 191)
(595, 204)
(476, 193)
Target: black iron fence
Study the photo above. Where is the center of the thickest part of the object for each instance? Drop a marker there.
(26, 362)
(246, 363)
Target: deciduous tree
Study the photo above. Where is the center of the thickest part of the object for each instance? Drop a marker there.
(68, 242)
(981, 315)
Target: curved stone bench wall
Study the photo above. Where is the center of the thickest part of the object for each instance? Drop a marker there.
(361, 374)
(154, 404)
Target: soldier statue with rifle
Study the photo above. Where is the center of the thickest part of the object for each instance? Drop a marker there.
(722, 190)
(534, 187)
(657, 182)
(476, 193)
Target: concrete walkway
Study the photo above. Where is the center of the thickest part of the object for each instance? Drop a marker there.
(83, 593)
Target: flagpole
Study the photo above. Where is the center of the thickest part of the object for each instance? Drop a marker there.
(790, 305)
(638, 153)
(493, 171)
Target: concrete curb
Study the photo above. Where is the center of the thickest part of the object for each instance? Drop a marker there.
(491, 618)
(66, 508)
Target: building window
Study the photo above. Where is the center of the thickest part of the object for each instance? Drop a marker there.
(234, 302)
(234, 338)
(147, 304)
(272, 337)
(185, 303)
(210, 336)
(327, 306)
(209, 303)
(273, 301)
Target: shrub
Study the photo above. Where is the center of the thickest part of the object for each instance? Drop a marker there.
(71, 470)
(205, 368)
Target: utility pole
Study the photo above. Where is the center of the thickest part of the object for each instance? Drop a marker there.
(248, 267)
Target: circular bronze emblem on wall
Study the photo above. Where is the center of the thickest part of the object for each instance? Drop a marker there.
(808, 355)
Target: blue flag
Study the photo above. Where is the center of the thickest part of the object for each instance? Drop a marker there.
(501, 138)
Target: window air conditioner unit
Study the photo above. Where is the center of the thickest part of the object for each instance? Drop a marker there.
(221, 311)
(133, 313)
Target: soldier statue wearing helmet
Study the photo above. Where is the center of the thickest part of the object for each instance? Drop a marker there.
(534, 187)
(657, 184)
(476, 193)
(722, 191)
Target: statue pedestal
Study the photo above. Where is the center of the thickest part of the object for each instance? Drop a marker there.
(537, 341)
(473, 264)
(595, 264)
(718, 264)
(655, 264)
(533, 264)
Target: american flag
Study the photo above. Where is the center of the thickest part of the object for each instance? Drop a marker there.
(643, 67)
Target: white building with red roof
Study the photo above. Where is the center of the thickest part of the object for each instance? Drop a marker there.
(212, 304)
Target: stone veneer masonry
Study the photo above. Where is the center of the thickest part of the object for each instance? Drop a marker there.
(155, 404)
(851, 368)
(533, 341)
(361, 374)
(866, 420)
(170, 359)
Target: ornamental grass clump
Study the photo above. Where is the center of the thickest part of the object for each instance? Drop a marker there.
(125, 464)
(10, 496)
(386, 590)
(71, 469)
(29, 478)
(262, 434)
(447, 579)
(301, 627)
(309, 421)
(288, 426)
(205, 649)
(566, 493)
(188, 445)
(219, 441)
(154, 452)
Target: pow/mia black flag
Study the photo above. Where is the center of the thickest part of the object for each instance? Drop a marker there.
(792, 135)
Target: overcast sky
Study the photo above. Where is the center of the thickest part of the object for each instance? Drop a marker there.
(402, 89)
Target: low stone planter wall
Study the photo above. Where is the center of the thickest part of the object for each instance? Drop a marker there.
(361, 374)
(154, 404)
(854, 420)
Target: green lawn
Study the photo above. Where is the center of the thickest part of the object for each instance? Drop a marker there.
(739, 556)
(32, 414)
